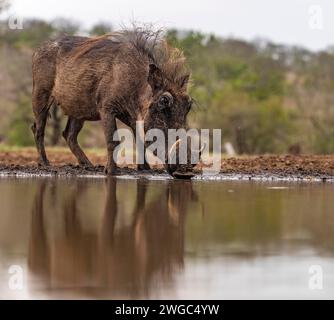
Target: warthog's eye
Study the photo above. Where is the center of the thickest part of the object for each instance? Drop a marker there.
(188, 105)
(166, 100)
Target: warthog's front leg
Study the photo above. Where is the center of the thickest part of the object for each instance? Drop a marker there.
(145, 165)
(70, 134)
(108, 120)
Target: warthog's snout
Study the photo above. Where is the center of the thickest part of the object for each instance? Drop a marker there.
(178, 170)
(183, 175)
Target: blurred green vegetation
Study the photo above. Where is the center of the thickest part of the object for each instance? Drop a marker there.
(266, 98)
(19, 130)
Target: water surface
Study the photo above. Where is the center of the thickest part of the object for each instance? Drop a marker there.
(128, 238)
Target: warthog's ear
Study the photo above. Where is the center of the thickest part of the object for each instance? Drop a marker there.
(155, 78)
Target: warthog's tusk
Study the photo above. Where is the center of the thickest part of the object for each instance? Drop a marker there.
(176, 143)
(200, 150)
(173, 147)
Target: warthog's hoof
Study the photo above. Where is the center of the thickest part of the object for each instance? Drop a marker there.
(87, 167)
(183, 175)
(86, 164)
(43, 163)
(143, 167)
(109, 171)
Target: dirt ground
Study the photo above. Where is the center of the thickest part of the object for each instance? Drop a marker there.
(63, 162)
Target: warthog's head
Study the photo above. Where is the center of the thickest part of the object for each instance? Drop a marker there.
(168, 109)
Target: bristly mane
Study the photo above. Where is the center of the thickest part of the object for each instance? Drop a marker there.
(171, 61)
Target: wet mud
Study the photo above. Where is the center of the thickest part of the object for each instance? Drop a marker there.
(305, 167)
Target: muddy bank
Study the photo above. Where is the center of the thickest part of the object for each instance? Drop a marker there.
(288, 165)
(63, 163)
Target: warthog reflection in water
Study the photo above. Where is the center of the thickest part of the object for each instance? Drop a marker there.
(118, 260)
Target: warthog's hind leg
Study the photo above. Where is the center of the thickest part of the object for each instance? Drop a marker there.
(70, 134)
(38, 129)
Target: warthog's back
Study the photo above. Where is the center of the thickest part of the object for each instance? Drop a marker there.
(80, 71)
(45, 57)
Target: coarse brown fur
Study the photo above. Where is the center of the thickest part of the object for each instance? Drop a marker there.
(125, 75)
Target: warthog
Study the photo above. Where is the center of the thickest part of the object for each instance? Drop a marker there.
(127, 75)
